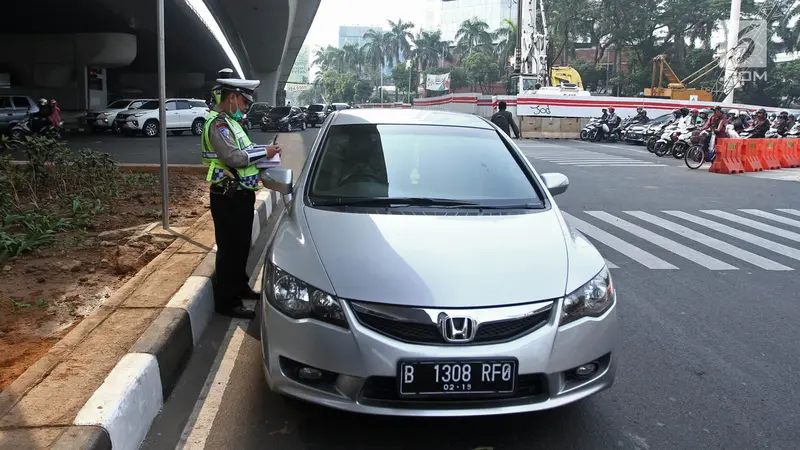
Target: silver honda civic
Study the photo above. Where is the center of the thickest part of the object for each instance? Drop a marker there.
(422, 268)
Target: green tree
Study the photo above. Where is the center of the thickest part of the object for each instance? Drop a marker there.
(376, 51)
(430, 50)
(405, 79)
(481, 70)
(363, 91)
(472, 35)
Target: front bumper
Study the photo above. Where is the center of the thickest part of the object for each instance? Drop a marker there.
(314, 120)
(102, 122)
(360, 365)
(130, 124)
(634, 136)
(274, 125)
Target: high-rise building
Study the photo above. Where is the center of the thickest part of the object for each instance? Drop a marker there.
(299, 72)
(354, 34)
(448, 15)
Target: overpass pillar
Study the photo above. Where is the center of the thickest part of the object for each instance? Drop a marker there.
(268, 89)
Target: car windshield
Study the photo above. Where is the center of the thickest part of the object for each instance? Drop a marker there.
(260, 107)
(316, 108)
(280, 111)
(152, 104)
(419, 162)
(119, 104)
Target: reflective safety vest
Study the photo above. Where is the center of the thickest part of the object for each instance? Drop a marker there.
(217, 170)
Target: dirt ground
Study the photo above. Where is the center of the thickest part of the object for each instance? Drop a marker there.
(43, 294)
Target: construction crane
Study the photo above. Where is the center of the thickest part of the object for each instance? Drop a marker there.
(676, 88)
(531, 73)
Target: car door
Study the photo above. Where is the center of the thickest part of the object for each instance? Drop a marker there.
(187, 114)
(6, 113)
(173, 115)
(297, 116)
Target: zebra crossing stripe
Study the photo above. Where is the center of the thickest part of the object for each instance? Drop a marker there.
(666, 244)
(753, 224)
(716, 244)
(775, 217)
(781, 249)
(635, 253)
(793, 212)
(611, 265)
(619, 165)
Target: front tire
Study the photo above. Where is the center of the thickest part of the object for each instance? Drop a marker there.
(695, 157)
(16, 134)
(303, 126)
(150, 128)
(679, 150)
(584, 135)
(289, 127)
(660, 149)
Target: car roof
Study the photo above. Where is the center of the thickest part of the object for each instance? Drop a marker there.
(408, 117)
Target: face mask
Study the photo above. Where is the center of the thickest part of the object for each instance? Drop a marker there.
(238, 114)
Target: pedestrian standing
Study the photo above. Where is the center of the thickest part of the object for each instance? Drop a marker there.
(231, 158)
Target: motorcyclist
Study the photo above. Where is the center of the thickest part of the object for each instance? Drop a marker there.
(690, 120)
(758, 129)
(716, 126)
(41, 118)
(783, 126)
(605, 114)
(641, 115)
(612, 121)
(55, 114)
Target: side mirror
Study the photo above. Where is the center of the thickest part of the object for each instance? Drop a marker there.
(556, 183)
(279, 180)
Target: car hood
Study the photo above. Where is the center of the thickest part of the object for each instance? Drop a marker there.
(442, 260)
(110, 111)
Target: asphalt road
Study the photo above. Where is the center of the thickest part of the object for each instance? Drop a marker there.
(184, 149)
(708, 358)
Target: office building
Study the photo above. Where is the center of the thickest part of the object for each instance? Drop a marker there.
(354, 34)
(448, 15)
(299, 72)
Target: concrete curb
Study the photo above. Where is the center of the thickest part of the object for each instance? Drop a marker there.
(120, 412)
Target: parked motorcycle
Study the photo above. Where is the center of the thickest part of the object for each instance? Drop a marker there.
(23, 128)
(594, 123)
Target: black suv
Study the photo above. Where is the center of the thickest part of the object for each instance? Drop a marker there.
(284, 118)
(256, 114)
(316, 114)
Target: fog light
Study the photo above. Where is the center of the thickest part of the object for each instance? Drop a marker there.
(309, 374)
(586, 370)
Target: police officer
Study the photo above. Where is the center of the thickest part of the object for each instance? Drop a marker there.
(231, 158)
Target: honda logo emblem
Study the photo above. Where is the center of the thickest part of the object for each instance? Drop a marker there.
(457, 329)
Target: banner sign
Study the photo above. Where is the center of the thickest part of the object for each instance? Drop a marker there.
(438, 82)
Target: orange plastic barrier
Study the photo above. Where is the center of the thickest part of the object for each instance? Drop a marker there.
(789, 153)
(768, 153)
(729, 156)
(750, 160)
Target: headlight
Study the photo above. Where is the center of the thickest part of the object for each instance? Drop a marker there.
(104, 114)
(298, 300)
(592, 299)
(285, 119)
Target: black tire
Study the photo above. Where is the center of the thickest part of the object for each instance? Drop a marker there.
(593, 135)
(694, 157)
(150, 128)
(197, 127)
(651, 144)
(16, 134)
(302, 126)
(584, 135)
(660, 149)
(289, 128)
(679, 150)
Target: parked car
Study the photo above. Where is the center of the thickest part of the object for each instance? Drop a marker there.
(284, 118)
(256, 114)
(316, 114)
(637, 133)
(183, 114)
(13, 109)
(422, 268)
(339, 106)
(105, 119)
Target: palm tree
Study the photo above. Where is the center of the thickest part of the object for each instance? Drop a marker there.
(375, 52)
(351, 57)
(507, 41)
(329, 57)
(472, 35)
(399, 46)
(430, 50)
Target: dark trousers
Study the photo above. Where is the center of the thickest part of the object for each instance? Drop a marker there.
(233, 226)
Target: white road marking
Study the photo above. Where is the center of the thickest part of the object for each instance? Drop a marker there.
(611, 265)
(716, 244)
(781, 249)
(198, 427)
(205, 410)
(620, 165)
(646, 259)
(753, 224)
(666, 244)
(775, 217)
(793, 212)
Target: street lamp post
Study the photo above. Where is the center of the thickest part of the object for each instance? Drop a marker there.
(162, 116)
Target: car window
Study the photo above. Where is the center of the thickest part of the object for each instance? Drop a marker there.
(316, 108)
(119, 104)
(296, 111)
(280, 111)
(21, 102)
(183, 104)
(198, 104)
(5, 102)
(171, 106)
(136, 104)
(419, 161)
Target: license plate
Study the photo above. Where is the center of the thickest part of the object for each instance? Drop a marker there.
(458, 378)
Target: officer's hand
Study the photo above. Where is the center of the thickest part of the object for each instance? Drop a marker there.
(273, 150)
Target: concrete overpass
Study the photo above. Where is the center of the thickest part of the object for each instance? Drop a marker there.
(86, 52)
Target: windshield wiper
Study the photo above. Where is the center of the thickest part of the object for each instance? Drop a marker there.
(392, 201)
(418, 201)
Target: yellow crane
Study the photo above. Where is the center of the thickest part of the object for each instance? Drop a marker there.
(676, 88)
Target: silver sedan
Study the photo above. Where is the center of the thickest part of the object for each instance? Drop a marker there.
(422, 268)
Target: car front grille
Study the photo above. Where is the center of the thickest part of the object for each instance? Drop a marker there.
(428, 333)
